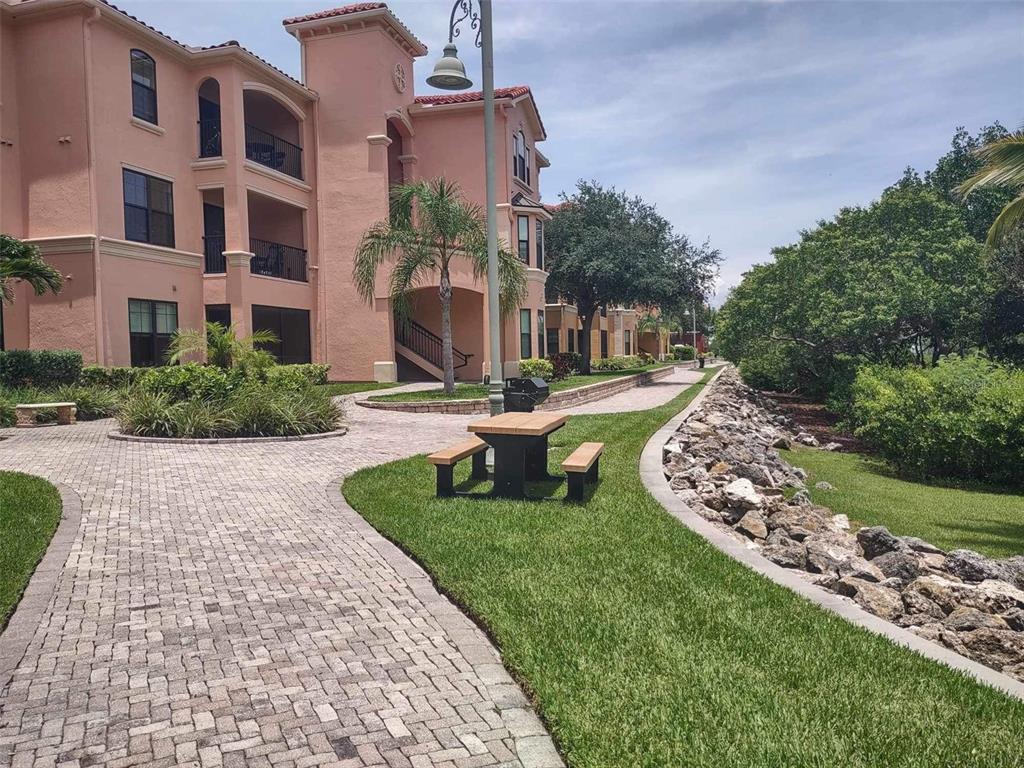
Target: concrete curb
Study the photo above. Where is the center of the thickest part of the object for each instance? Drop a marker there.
(654, 480)
(533, 745)
(564, 399)
(31, 609)
(226, 440)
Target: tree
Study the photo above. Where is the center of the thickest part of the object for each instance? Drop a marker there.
(1003, 322)
(219, 346)
(605, 248)
(1003, 172)
(430, 225)
(899, 281)
(21, 261)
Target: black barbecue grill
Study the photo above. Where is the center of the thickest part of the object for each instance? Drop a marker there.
(524, 394)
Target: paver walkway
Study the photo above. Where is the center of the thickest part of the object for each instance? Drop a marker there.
(220, 608)
(642, 398)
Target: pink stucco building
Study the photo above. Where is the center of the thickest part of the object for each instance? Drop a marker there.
(172, 184)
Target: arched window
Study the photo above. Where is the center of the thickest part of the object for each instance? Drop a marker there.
(143, 86)
(520, 157)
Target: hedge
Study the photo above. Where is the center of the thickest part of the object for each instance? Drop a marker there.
(39, 367)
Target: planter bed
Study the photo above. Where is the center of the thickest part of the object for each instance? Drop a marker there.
(233, 440)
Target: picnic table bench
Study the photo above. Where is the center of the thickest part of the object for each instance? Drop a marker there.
(25, 413)
(446, 459)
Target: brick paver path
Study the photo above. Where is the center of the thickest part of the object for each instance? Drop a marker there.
(642, 398)
(223, 606)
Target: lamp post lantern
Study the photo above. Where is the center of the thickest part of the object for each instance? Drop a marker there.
(450, 74)
(686, 313)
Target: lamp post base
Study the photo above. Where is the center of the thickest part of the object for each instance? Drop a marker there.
(496, 398)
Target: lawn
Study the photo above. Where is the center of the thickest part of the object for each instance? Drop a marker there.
(642, 645)
(988, 520)
(29, 513)
(465, 391)
(336, 388)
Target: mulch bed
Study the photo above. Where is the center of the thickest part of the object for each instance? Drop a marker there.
(815, 418)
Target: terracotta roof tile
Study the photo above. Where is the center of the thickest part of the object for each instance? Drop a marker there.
(465, 98)
(330, 13)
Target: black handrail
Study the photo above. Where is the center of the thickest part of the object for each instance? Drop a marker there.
(209, 137)
(273, 151)
(277, 260)
(426, 344)
(213, 249)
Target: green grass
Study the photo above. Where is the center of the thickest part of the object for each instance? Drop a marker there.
(29, 513)
(465, 391)
(988, 520)
(336, 388)
(642, 645)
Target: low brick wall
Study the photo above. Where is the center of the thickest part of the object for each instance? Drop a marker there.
(564, 399)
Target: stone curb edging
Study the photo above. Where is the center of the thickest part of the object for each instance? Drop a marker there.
(654, 480)
(564, 399)
(227, 440)
(533, 745)
(31, 609)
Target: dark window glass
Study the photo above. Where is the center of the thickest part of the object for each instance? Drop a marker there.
(291, 326)
(628, 342)
(520, 157)
(524, 335)
(552, 347)
(143, 86)
(540, 333)
(219, 313)
(523, 225)
(148, 209)
(540, 244)
(604, 343)
(570, 338)
(150, 327)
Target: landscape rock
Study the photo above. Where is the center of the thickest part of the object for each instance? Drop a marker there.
(832, 447)
(724, 464)
(823, 485)
(876, 540)
(752, 524)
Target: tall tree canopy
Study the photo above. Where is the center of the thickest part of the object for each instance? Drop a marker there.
(898, 280)
(607, 248)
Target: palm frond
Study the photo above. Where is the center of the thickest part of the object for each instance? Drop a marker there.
(22, 261)
(1004, 165)
(1009, 219)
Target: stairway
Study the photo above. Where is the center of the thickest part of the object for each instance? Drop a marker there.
(422, 347)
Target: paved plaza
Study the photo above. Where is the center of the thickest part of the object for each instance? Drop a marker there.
(223, 606)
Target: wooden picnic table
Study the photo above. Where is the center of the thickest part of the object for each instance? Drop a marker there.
(520, 442)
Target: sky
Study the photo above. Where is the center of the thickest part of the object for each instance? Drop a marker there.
(744, 123)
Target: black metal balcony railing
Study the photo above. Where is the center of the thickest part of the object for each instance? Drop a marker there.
(213, 250)
(273, 151)
(277, 260)
(209, 138)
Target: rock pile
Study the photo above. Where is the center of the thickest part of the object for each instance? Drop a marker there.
(724, 464)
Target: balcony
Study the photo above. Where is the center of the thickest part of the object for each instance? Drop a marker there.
(273, 151)
(213, 250)
(277, 260)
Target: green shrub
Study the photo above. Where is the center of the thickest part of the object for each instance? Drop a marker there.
(6, 412)
(263, 410)
(112, 378)
(297, 376)
(963, 418)
(191, 381)
(200, 419)
(40, 368)
(147, 414)
(616, 363)
(535, 366)
(769, 367)
(683, 352)
(565, 364)
(92, 402)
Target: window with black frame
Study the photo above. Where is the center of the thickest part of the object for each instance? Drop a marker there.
(290, 326)
(150, 327)
(143, 86)
(628, 342)
(570, 340)
(525, 351)
(540, 244)
(552, 345)
(148, 209)
(523, 227)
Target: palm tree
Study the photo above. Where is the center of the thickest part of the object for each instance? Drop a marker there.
(656, 323)
(220, 346)
(430, 224)
(1004, 167)
(21, 261)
